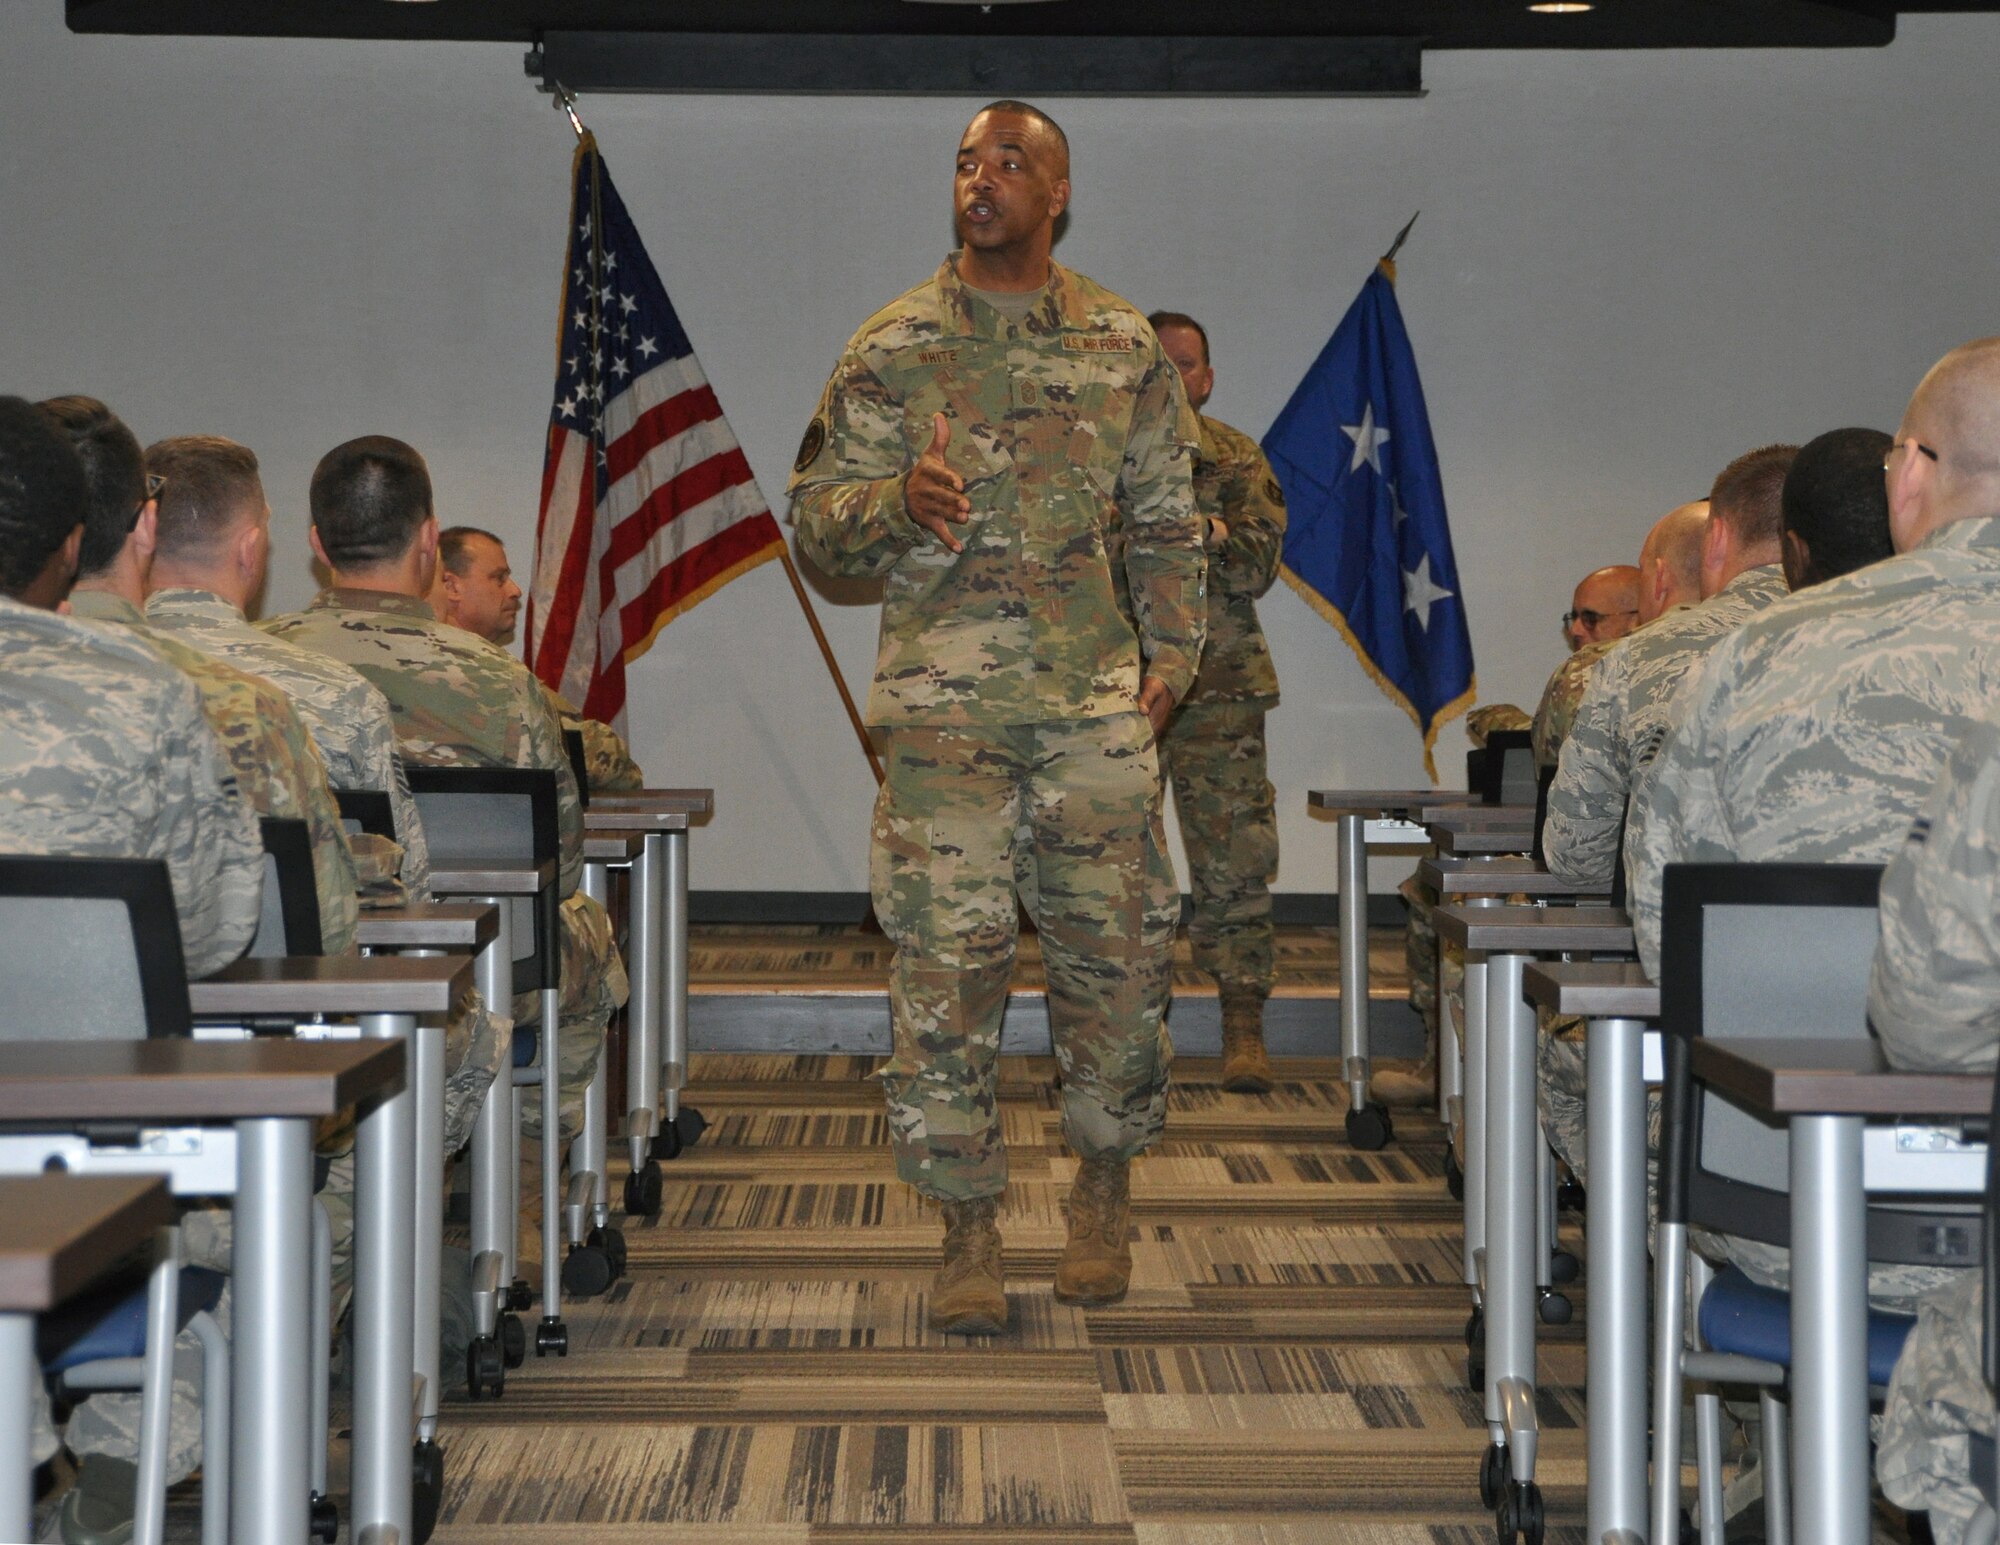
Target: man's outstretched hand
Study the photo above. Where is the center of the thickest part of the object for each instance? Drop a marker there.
(934, 495)
(1156, 703)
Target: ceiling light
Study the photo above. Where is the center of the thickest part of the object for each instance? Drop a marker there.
(1561, 7)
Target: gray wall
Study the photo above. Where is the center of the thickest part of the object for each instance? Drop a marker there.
(1630, 267)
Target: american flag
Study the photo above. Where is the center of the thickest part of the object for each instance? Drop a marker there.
(648, 505)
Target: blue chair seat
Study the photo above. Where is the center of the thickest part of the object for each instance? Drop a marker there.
(101, 1326)
(527, 1045)
(1751, 1320)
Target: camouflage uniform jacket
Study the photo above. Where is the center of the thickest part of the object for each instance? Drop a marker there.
(1816, 732)
(1556, 712)
(457, 700)
(1073, 436)
(276, 765)
(1627, 707)
(1233, 483)
(105, 753)
(1935, 997)
(607, 761)
(348, 719)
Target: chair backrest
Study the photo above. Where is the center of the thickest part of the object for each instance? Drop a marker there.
(488, 817)
(1771, 951)
(579, 763)
(1475, 772)
(366, 810)
(288, 922)
(90, 949)
(1545, 780)
(1507, 776)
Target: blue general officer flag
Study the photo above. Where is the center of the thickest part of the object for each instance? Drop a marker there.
(1367, 544)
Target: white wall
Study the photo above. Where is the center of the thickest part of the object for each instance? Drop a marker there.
(1630, 267)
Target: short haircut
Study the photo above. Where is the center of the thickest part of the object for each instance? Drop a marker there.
(1748, 496)
(114, 476)
(369, 499)
(42, 492)
(1029, 110)
(209, 479)
(1836, 500)
(1160, 319)
(455, 547)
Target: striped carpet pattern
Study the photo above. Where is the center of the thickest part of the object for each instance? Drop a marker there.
(1288, 1368)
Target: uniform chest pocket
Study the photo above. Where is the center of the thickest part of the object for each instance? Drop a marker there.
(955, 380)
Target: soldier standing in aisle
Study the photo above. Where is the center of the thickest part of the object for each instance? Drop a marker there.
(1214, 746)
(985, 443)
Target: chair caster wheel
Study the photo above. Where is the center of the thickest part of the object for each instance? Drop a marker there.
(1554, 1309)
(1570, 1195)
(1492, 1476)
(642, 1191)
(1475, 1330)
(485, 1372)
(586, 1272)
(519, 1296)
(1519, 1516)
(612, 1242)
(513, 1340)
(324, 1524)
(667, 1142)
(1564, 1267)
(690, 1124)
(552, 1339)
(1369, 1128)
(426, 1489)
(1454, 1177)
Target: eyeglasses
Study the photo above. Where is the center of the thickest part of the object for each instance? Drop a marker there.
(1592, 619)
(155, 481)
(1902, 445)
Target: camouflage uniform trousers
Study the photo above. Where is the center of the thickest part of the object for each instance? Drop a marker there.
(1937, 1399)
(1214, 756)
(593, 988)
(477, 1045)
(1066, 814)
(1420, 952)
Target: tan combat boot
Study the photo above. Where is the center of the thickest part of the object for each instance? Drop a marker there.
(969, 1294)
(1407, 1088)
(1096, 1263)
(1245, 1068)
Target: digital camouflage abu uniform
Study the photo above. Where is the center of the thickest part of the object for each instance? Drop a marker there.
(1629, 699)
(1007, 681)
(1213, 749)
(458, 701)
(1935, 1003)
(1815, 733)
(275, 762)
(347, 718)
(1556, 712)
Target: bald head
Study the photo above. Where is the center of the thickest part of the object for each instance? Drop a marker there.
(1605, 606)
(1670, 560)
(1945, 465)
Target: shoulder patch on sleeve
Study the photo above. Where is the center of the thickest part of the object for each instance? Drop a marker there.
(1273, 492)
(811, 445)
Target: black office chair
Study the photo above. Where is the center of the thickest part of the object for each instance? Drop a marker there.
(289, 921)
(1507, 773)
(579, 763)
(1761, 950)
(366, 810)
(1545, 780)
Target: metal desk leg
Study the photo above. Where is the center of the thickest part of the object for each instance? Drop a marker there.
(1616, 1346)
(496, 1172)
(674, 940)
(1368, 1125)
(1830, 1470)
(384, 1272)
(1473, 1160)
(427, 1226)
(1511, 1134)
(552, 1155)
(19, 1373)
(642, 1021)
(590, 1153)
(270, 1478)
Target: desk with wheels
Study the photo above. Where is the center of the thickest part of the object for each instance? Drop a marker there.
(1509, 1201)
(255, 1103)
(1365, 818)
(1825, 1090)
(1619, 1006)
(498, 1295)
(657, 1020)
(58, 1234)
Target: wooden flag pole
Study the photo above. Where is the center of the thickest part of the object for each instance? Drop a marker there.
(832, 665)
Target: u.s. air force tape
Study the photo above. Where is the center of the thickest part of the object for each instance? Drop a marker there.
(811, 445)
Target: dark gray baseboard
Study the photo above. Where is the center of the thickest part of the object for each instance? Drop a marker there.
(857, 1024)
(1293, 909)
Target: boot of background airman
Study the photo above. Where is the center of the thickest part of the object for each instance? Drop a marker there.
(969, 1294)
(1409, 1087)
(1096, 1263)
(1245, 1067)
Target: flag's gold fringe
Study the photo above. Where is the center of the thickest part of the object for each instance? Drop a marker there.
(689, 602)
(1390, 690)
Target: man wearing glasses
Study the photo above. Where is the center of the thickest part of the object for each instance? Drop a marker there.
(1604, 608)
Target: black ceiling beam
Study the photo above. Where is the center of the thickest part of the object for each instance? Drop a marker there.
(929, 65)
